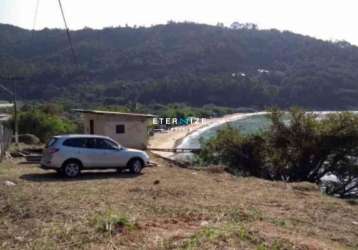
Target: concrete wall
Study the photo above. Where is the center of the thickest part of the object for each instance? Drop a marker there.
(136, 128)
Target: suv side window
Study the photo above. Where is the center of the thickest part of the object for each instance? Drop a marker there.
(100, 143)
(75, 142)
(91, 143)
(104, 144)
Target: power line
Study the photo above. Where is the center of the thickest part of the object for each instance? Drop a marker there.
(7, 90)
(68, 32)
(13, 79)
(35, 16)
(34, 20)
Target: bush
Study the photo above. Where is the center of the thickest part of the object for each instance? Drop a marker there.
(42, 124)
(304, 149)
(243, 154)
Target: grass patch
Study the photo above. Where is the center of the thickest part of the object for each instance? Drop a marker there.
(4, 167)
(210, 236)
(207, 234)
(65, 235)
(276, 245)
(223, 236)
(239, 215)
(114, 223)
(204, 236)
(280, 222)
(45, 212)
(215, 169)
(305, 187)
(353, 202)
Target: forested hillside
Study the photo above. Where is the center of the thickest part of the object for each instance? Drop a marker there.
(181, 62)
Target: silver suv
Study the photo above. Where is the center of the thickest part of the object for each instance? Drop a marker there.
(69, 154)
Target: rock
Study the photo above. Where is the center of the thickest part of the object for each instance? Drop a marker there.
(29, 139)
(204, 223)
(10, 183)
(8, 156)
(156, 182)
(20, 238)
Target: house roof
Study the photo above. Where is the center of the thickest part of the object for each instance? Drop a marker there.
(99, 112)
(4, 117)
(6, 104)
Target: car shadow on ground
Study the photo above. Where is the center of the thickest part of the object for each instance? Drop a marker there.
(85, 176)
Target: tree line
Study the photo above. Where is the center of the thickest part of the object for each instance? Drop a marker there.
(187, 63)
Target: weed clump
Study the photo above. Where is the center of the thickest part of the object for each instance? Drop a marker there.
(114, 223)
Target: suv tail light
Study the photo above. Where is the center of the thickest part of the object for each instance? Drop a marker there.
(53, 150)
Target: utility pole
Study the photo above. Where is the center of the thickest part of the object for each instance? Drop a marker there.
(14, 100)
(16, 123)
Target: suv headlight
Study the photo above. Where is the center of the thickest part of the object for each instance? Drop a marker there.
(145, 157)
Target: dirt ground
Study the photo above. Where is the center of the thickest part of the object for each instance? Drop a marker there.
(167, 207)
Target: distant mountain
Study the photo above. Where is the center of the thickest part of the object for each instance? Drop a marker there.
(181, 62)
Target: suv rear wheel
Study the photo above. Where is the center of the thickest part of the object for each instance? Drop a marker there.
(71, 169)
(135, 165)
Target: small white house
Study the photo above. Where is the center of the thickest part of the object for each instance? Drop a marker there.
(5, 135)
(128, 129)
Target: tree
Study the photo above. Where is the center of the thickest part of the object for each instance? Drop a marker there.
(298, 146)
(44, 125)
(242, 154)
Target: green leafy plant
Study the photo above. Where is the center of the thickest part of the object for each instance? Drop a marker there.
(43, 124)
(297, 147)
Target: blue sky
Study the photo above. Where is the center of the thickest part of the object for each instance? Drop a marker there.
(325, 19)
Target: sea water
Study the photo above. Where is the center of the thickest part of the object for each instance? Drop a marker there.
(247, 124)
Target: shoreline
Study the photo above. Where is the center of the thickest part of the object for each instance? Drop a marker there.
(219, 122)
(178, 136)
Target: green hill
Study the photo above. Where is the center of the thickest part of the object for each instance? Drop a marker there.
(181, 62)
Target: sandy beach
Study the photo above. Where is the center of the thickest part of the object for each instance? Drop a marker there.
(174, 137)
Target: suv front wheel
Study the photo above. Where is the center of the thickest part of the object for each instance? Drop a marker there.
(135, 166)
(71, 169)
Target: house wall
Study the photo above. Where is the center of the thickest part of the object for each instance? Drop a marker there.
(5, 139)
(136, 128)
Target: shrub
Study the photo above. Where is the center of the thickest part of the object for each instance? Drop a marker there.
(304, 149)
(291, 147)
(243, 154)
(308, 148)
(43, 125)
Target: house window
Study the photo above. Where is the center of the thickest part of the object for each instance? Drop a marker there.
(120, 129)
